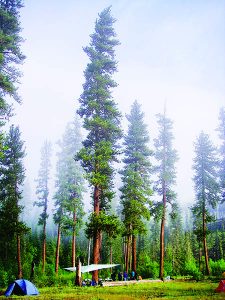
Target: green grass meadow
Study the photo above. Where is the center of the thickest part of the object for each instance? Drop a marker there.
(185, 290)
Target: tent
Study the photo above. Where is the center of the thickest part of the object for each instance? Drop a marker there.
(21, 287)
(92, 267)
(221, 287)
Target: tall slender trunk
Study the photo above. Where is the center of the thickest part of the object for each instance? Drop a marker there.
(97, 234)
(44, 247)
(128, 253)
(163, 221)
(78, 273)
(110, 253)
(124, 251)
(57, 250)
(161, 271)
(100, 245)
(20, 273)
(96, 254)
(162, 234)
(74, 241)
(89, 251)
(199, 255)
(140, 244)
(44, 234)
(134, 253)
(205, 245)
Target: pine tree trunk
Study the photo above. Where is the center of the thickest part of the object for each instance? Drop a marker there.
(96, 249)
(20, 273)
(74, 241)
(162, 237)
(128, 253)
(205, 245)
(124, 251)
(78, 273)
(97, 235)
(57, 250)
(89, 251)
(161, 271)
(44, 247)
(97, 200)
(100, 245)
(134, 253)
(110, 254)
(140, 244)
(199, 255)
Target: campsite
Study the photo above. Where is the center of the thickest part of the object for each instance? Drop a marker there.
(112, 149)
(185, 290)
(64, 287)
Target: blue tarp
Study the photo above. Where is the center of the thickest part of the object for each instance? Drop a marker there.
(21, 287)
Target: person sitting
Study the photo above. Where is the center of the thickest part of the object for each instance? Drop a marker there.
(120, 277)
(113, 276)
(93, 283)
(132, 275)
(125, 276)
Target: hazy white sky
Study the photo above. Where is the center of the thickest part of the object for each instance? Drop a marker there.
(170, 51)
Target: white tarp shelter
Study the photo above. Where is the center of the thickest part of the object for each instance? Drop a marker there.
(92, 267)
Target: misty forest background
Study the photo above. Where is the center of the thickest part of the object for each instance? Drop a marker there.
(133, 217)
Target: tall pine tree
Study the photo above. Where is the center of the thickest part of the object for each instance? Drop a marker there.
(101, 119)
(166, 157)
(135, 177)
(10, 57)
(10, 53)
(69, 187)
(11, 182)
(207, 189)
(42, 191)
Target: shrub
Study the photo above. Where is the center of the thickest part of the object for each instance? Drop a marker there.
(4, 278)
(168, 268)
(192, 270)
(49, 278)
(149, 270)
(217, 267)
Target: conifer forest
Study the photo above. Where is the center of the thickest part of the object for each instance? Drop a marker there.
(106, 191)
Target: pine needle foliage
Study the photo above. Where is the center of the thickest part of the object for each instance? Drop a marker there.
(101, 119)
(207, 188)
(70, 181)
(166, 157)
(11, 183)
(10, 52)
(136, 189)
(100, 114)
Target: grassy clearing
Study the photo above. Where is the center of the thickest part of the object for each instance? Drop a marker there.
(159, 290)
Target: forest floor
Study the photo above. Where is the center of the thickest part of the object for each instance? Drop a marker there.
(185, 290)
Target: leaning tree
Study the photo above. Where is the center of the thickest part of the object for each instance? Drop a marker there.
(101, 119)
